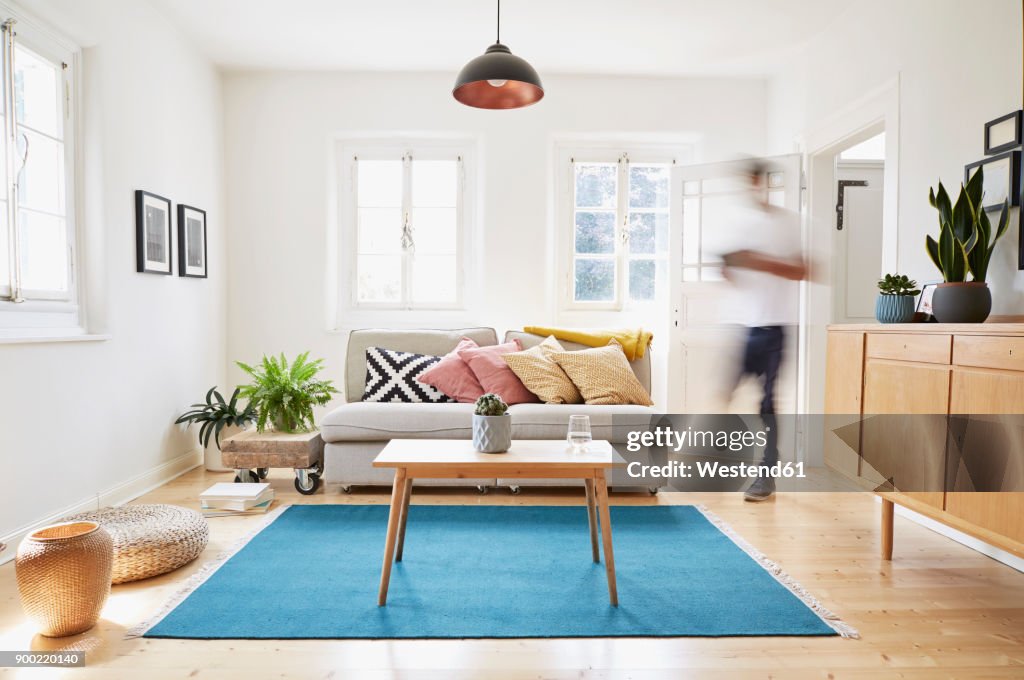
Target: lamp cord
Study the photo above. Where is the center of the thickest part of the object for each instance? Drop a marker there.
(498, 40)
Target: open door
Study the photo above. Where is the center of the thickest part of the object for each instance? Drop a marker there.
(704, 341)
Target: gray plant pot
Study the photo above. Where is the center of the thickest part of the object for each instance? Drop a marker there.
(492, 434)
(968, 302)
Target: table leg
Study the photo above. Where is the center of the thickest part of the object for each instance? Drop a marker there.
(406, 493)
(397, 492)
(887, 521)
(606, 534)
(592, 518)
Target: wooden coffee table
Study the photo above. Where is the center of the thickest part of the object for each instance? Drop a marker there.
(536, 459)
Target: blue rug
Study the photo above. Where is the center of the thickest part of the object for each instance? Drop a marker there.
(490, 572)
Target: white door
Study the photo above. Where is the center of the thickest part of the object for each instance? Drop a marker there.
(704, 347)
(857, 241)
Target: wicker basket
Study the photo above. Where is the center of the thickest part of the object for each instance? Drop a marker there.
(63, 574)
(150, 539)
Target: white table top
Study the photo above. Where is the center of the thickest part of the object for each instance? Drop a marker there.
(460, 452)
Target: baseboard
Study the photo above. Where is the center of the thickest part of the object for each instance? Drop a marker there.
(118, 494)
(1007, 558)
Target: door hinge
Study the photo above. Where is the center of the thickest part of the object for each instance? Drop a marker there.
(840, 207)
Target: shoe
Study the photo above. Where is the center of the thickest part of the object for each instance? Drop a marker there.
(762, 489)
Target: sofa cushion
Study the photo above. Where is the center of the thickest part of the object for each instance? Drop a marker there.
(542, 375)
(551, 421)
(641, 367)
(453, 376)
(370, 421)
(603, 375)
(494, 374)
(392, 377)
(435, 342)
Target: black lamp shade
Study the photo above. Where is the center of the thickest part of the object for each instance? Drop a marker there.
(498, 79)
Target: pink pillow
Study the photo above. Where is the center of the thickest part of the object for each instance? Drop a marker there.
(452, 376)
(495, 375)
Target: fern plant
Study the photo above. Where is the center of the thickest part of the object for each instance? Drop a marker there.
(216, 414)
(285, 394)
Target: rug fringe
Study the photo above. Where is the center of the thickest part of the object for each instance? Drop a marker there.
(205, 572)
(830, 618)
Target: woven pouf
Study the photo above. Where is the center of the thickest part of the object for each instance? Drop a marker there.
(150, 539)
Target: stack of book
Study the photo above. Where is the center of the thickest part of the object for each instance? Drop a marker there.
(225, 499)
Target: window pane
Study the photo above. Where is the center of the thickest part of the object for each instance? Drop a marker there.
(380, 230)
(691, 230)
(434, 278)
(595, 232)
(648, 186)
(596, 185)
(41, 183)
(44, 252)
(648, 232)
(434, 183)
(644, 277)
(777, 198)
(379, 278)
(380, 184)
(434, 230)
(595, 280)
(37, 92)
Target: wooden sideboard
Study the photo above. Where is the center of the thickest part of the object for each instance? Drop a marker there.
(975, 369)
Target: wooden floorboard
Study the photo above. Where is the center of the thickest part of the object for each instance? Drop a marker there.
(939, 610)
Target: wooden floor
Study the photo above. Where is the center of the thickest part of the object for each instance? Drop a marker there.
(939, 610)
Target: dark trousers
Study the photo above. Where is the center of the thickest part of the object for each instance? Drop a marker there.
(762, 356)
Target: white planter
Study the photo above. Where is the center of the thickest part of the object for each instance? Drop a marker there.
(211, 454)
(492, 434)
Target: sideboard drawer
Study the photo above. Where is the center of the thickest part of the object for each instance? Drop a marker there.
(930, 349)
(989, 351)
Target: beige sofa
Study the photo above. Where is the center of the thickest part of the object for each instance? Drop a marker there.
(355, 432)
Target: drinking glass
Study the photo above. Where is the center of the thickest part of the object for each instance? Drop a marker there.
(579, 433)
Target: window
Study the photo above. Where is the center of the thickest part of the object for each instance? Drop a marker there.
(406, 236)
(620, 228)
(37, 237)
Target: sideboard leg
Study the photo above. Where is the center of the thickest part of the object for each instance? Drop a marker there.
(887, 518)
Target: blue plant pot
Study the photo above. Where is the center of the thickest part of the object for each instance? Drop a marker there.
(894, 308)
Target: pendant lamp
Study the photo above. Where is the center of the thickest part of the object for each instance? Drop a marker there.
(498, 79)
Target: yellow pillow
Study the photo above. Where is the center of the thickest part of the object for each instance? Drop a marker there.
(603, 375)
(541, 375)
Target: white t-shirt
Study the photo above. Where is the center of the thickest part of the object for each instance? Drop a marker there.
(762, 299)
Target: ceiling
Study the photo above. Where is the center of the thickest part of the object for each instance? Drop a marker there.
(639, 37)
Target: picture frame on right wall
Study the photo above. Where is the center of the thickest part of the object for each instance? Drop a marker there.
(191, 242)
(1003, 133)
(1002, 179)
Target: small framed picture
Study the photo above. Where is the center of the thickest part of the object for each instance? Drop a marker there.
(152, 233)
(924, 302)
(1002, 179)
(191, 242)
(1003, 133)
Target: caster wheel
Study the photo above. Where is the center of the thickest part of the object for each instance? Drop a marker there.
(249, 477)
(346, 489)
(514, 490)
(312, 484)
(481, 489)
(262, 472)
(653, 490)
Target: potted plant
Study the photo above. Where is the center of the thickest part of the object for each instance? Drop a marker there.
(492, 425)
(218, 417)
(895, 302)
(284, 394)
(965, 245)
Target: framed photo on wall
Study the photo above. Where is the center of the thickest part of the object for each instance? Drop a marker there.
(1003, 133)
(152, 233)
(1002, 179)
(191, 242)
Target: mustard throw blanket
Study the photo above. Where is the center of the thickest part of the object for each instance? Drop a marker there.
(634, 342)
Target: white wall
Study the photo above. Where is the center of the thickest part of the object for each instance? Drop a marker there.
(279, 128)
(88, 419)
(958, 65)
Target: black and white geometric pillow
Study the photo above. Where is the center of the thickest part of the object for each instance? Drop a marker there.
(391, 377)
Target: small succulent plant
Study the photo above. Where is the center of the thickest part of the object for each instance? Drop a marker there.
(897, 284)
(490, 405)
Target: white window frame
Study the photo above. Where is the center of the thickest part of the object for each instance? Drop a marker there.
(349, 310)
(46, 314)
(566, 156)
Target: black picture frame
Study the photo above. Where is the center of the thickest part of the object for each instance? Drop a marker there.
(1013, 181)
(153, 241)
(192, 260)
(1014, 119)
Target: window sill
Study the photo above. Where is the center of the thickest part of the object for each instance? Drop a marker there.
(31, 337)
